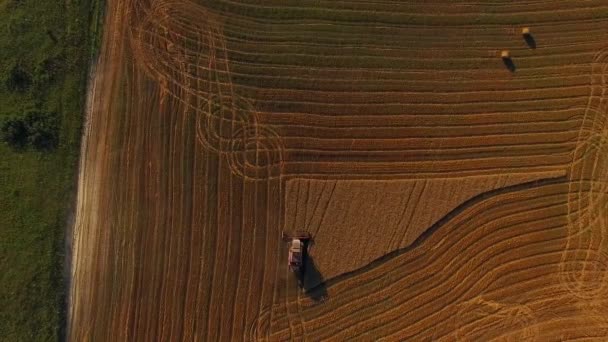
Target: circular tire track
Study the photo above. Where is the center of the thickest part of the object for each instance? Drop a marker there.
(584, 263)
(178, 42)
(256, 152)
(478, 317)
(222, 117)
(259, 329)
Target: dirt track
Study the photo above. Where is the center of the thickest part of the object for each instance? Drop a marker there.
(468, 194)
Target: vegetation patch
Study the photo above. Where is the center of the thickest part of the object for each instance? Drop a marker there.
(45, 50)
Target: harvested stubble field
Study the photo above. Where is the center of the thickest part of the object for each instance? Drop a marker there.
(449, 197)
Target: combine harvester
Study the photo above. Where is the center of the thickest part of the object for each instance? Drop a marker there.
(298, 243)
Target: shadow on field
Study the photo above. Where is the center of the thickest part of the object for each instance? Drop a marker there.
(509, 64)
(313, 282)
(530, 41)
(442, 222)
(315, 285)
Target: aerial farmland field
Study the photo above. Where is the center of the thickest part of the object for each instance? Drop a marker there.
(448, 158)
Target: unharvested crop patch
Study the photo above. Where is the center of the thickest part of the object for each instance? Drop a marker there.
(438, 184)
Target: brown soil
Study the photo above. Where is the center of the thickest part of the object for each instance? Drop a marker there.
(440, 184)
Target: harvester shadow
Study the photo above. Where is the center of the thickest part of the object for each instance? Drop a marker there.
(530, 41)
(313, 282)
(509, 64)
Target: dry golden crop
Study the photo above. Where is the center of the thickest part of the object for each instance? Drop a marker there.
(441, 183)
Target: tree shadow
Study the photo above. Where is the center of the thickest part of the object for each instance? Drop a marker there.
(312, 282)
(530, 41)
(509, 64)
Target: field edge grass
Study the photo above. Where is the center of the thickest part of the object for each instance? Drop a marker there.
(95, 33)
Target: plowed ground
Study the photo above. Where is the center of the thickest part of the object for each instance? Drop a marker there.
(450, 198)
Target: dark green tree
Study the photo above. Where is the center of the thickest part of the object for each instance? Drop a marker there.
(15, 133)
(18, 79)
(43, 130)
(39, 130)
